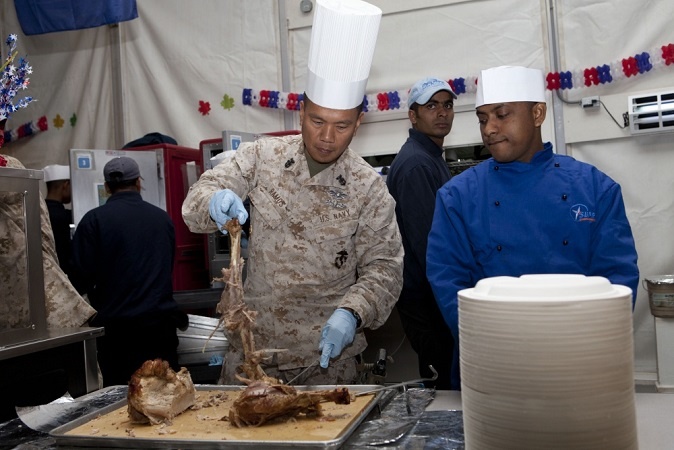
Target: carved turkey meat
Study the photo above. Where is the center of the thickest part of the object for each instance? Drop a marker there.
(235, 314)
(261, 402)
(157, 393)
(265, 398)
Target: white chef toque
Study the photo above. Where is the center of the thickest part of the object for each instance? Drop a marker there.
(343, 38)
(56, 172)
(510, 84)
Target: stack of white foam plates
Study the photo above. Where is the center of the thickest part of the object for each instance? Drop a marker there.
(547, 363)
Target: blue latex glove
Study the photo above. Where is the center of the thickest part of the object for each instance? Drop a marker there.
(338, 332)
(224, 206)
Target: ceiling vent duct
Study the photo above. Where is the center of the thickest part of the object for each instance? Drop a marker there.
(651, 113)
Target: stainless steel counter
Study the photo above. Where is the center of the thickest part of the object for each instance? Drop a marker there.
(198, 299)
(39, 365)
(20, 342)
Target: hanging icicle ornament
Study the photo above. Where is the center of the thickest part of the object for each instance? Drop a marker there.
(13, 80)
(632, 66)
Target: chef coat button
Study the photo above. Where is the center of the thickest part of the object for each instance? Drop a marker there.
(564, 197)
(556, 164)
(565, 242)
(499, 248)
(497, 203)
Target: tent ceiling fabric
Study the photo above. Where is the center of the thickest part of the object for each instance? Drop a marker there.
(48, 16)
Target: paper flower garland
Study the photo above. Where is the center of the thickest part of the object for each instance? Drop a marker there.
(27, 129)
(13, 80)
(385, 101)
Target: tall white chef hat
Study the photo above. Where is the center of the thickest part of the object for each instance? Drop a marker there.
(510, 84)
(343, 37)
(56, 172)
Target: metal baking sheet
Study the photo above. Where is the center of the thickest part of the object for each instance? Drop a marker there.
(97, 441)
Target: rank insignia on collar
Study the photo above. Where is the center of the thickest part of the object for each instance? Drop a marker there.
(341, 180)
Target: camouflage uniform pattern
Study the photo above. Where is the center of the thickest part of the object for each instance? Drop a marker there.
(65, 308)
(343, 371)
(316, 244)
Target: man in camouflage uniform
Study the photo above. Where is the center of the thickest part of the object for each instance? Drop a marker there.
(323, 236)
(64, 306)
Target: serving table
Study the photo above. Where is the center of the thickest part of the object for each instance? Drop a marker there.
(438, 426)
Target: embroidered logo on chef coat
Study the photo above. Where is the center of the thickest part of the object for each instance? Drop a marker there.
(580, 213)
(341, 258)
(336, 198)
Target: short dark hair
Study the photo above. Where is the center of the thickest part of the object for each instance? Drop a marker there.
(56, 184)
(359, 108)
(121, 185)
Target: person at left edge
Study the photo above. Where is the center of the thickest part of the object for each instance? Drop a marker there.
(325, 253)
(123, 253)
(59, 194)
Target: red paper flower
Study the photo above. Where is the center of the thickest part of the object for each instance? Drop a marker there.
(591, 76)
(630, 66)
(264, 98)
(42, 123)
(668, 54)
(204, 107)
(553, 81)
(382, 101)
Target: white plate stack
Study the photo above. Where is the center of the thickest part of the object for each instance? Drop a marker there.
(547, 363)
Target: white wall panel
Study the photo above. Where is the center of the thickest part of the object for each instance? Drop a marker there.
(182, 52)
(71, 79)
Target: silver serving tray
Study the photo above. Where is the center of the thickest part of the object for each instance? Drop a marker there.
(59, 433)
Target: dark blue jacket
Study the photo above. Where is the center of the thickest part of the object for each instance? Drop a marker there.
(123, 253)
(417, 172)
(60, 219)
(552, 215)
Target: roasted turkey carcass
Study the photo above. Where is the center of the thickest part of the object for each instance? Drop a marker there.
(157, 393)
(235, 314)
(265, 398)
(262, 402)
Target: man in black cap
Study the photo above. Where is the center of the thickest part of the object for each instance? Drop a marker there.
(123, 252)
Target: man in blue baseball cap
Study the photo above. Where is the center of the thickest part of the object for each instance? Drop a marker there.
(416, 173)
